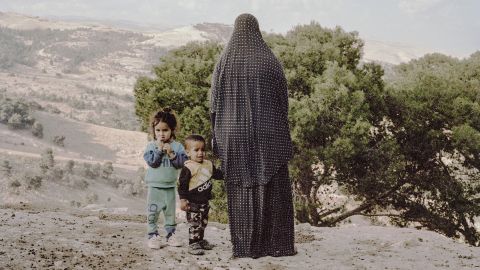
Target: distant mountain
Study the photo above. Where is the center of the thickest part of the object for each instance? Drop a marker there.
(215, 31)
(26, 22)
(86, 69)
(391, 53)
(167, 37)
(119, 24)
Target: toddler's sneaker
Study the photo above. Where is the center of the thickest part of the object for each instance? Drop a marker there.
(205, 244)
(195, 249)
(173, 241)
(155, 242)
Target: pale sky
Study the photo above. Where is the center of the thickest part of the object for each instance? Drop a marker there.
(448, 26)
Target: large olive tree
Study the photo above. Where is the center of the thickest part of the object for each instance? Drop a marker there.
(408, 150)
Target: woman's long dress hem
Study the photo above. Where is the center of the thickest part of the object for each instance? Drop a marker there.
(261, 218)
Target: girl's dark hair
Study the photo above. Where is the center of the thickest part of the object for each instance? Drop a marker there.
(165, 115)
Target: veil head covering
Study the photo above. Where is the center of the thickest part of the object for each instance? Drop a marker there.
(246, 33)
(246, 23)
(249, 100)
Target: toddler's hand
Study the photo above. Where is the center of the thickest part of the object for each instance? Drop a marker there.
(184, 205)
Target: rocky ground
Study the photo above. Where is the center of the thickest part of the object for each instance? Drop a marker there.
(35, 238)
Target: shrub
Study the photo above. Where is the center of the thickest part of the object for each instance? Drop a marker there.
(69, 166)
(126, 188)
(59, 140)
(33, 181)
(47, 160)
(76, 182)
(91, 171)
(75, 204)
(92, 198)
(6, 168)
(56, 173)
(15, 121)
(37, 129)
(15, 113)
(107, 170)
(15, 183)
(219, 205)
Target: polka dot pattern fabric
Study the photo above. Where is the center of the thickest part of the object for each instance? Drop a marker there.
(250, 101)
(261, 218)
(249, 104)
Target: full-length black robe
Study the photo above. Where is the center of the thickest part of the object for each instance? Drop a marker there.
(249, 106)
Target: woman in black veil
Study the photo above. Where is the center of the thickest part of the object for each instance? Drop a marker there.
(249, 110)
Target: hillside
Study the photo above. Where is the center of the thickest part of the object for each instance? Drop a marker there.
(83, 141)
(86, 70)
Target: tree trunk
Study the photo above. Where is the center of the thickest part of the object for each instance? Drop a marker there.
(471, 235)
(366, 205)
(333, 221)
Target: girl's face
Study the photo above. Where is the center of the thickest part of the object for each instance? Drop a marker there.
(163, 132)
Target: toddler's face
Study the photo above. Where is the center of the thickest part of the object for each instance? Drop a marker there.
(163, 132)
(196, 151)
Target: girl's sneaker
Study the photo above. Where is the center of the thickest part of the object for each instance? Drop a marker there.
(155, 242)
(173, 241)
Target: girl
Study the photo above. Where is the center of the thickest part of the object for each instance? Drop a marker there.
(164, 157)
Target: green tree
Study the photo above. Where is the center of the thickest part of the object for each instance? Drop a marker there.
(219, 204)
(335, 103)
(434, 109)
(389, 147)
(409, 151)
(182, 82)
(307, 49)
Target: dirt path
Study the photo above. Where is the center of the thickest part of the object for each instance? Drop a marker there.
(72, 239)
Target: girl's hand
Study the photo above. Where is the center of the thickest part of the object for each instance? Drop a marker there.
(168, 149)
(184, 205)
(160, 144)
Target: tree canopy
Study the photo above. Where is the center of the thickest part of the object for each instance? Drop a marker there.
(182, 83)
(407, 148)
